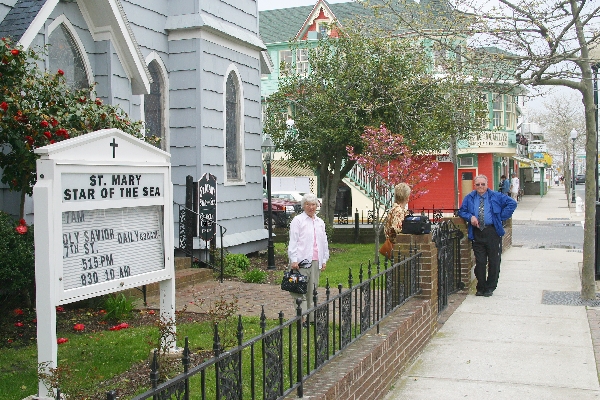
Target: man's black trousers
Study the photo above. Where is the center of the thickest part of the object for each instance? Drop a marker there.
(487, 248)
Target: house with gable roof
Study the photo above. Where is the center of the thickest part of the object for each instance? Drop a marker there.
(189, 69)
(492, 152)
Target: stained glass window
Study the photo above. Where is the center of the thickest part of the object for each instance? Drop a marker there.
(154, 103)
(232, 128)
(64, 54)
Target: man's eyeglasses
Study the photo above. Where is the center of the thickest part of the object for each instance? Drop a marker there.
(480, 184)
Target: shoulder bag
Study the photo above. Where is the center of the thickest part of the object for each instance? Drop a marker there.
(294, 282)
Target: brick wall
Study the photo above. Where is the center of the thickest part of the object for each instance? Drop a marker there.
(367, 368)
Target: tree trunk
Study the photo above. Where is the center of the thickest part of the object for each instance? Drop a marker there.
(588, 282)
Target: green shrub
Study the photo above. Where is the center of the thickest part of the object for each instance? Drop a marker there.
(255, 276)
(17, 264)
(118, 307)
(235, 264)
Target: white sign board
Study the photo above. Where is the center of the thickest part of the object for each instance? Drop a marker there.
(537, 147)
(104, 223)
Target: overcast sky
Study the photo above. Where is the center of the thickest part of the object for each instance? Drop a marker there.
(274, 4)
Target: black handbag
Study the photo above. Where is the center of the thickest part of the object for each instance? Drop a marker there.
(294, 282)
(416, 224)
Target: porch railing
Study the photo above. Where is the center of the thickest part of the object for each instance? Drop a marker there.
(279, 360)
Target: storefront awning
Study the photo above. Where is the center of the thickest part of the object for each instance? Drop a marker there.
(528, 163)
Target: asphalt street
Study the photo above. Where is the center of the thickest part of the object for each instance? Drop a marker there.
(555, 232)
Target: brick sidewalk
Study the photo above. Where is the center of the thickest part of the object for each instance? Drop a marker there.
(251, 296)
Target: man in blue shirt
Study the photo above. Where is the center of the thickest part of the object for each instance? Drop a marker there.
(484, 211)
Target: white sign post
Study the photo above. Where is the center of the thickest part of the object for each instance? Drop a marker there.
(103, 223)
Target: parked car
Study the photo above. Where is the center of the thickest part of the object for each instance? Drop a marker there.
(281, 211)
(294, 196)
(579, 179)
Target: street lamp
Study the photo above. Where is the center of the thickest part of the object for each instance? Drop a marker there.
(267, 149)
(573, 137)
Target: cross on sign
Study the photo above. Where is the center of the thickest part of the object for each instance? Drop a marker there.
(114, 145)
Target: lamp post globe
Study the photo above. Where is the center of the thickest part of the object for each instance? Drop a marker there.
(267, 149)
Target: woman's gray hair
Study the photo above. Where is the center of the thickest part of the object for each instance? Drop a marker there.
(401, 193)
(309, 198)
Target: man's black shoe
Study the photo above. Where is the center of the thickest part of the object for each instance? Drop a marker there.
(480, 293)
(488, 293)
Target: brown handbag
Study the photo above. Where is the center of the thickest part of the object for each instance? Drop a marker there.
(386, 249)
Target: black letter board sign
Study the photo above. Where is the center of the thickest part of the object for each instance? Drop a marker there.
(207, 207)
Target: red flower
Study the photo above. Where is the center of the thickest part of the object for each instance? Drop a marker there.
(22, 222)
(21, 229)
(34, 320)
(82, 99)
(53, 122)
(102, 312)
(9, 340)
(48, 135)
(62, 340)
(60, 309)
(44, 124)
(62, 132)
(79, 327)
(60, 72)
(18, 324)
(98, 101)
(29, 140)
(4, 106)
(123, 325)
(52, 141)
(14, 52)
(151, 312)
(18, 311)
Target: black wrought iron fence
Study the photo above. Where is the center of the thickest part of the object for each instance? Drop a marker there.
(436, 215)
(447, 237)
(188, 226)
(278, 361)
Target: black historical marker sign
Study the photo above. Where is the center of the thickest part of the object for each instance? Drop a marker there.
(207, 207)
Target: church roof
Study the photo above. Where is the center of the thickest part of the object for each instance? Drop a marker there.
(19, 18)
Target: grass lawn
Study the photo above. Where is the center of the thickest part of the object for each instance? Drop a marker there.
(89, 359)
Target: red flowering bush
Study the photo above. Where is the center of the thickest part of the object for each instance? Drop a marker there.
(39, 108)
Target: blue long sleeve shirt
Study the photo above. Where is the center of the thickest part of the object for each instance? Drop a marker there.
(502, 208)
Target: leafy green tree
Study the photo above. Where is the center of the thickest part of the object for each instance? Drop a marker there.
(522, 42)
(38, 108)
(355, 81)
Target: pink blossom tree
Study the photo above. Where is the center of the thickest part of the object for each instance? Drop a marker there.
(387, 160)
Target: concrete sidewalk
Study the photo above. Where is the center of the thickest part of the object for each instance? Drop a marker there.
(515, 345)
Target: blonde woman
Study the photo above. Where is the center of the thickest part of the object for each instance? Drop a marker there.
(393, 223)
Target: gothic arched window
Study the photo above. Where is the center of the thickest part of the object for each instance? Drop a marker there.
(64, 54)
(154, 104)
(233, 153)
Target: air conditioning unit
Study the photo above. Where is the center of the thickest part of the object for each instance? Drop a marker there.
(466, 161)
